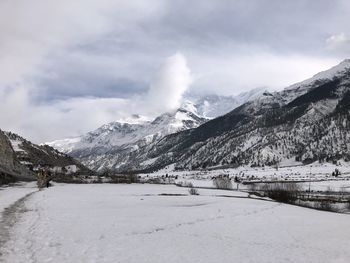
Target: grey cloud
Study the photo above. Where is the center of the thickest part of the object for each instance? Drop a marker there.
(338, 43)
(198, 29)
(55, 54)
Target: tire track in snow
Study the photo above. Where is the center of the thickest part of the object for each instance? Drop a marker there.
(10, 217)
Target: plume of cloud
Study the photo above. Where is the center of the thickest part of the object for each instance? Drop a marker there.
(64, 63)
(30, 33)
(46, 121)
(58, 119)
(170, 83)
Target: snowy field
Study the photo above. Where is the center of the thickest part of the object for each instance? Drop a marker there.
(287, 170)
(138, 223)
(320, 175)
(9, 195)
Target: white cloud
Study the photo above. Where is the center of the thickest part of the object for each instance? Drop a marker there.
(30, 30)
(338, 42)
(46, 121)
(233, 73)
(102, 48)
(42, 121)
(337, 39)
(170, 83)
(71, 117)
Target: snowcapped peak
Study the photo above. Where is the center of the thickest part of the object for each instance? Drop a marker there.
(335, 71)
(188, 105)
(331, 73)
(64, 145)
(346, 61)
(116, 125)
(252, 94)
(212, 106)
(137, 131)
(134, 119)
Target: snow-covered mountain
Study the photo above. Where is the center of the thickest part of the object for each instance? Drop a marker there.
(212, 106)
(116, 134)
(125, 143)
(278, 99)
(114, 141)
(306, 122)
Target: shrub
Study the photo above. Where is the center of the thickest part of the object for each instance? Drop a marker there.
(253, 187)
(282, 192)
(124, 178)
(69, 179)
(222, 182)
(6, 179)
(133, 178)
(348, 204)
(325, 205)
(192, 190)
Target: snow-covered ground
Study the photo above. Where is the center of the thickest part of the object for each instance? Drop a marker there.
(10, 194)
(143, 223)
(289, 171)
(11, 200)
(320, 175)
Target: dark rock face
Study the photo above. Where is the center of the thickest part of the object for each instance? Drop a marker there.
(7, 156)
(34, 156)
(20, 159)
(10, 167)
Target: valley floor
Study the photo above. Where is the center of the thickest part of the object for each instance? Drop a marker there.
(162, 223)
(315, 176)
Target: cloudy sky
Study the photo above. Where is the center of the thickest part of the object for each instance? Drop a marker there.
(70, 66)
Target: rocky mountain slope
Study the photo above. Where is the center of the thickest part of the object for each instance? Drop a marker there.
(306, 122)
(21, 159)
(212, 106)
(112, 145)
(122, 146)
(10, 167)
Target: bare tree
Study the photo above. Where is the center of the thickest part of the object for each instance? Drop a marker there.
(222, 182)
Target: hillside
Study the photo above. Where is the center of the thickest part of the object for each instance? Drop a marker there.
(20, 160)
(306, 122)
(10, 167)
(125, 146)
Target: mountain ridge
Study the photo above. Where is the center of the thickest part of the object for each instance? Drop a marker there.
(123, 143)
(267, 130)
(10, 167)
(290, 119)
(20, 159)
